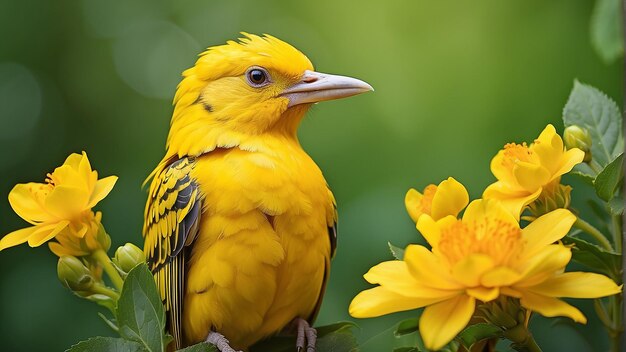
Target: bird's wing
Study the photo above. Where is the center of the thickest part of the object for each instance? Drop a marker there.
(331, 218)
(332, 226)
(170, 225)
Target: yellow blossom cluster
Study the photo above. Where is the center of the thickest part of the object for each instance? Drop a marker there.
(61, 208)
(485, 253)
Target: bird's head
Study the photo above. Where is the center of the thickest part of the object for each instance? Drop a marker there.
(240, 91)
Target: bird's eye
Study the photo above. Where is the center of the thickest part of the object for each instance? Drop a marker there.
(257, 77)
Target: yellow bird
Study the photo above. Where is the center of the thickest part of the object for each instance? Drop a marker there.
(240, 225)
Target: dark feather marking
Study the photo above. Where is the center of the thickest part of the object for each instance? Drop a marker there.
(270, 219)
(170, 249)
(208, 107)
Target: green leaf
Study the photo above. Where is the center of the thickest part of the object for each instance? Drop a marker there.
(609, 179)
(140, 314)
(598, 259)
(406, 349)
(477, 332)
(106, 344)
(584, 172)
(406, 327)
(342, 326)
(606, 26)
(336, 337)
(338, 341)
(200, 347)
(589, 108)
(616, 205)
(397, 252)
(452, 346)
(597, 209)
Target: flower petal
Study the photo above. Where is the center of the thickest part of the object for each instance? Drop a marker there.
(499, 170)
(577, 285)
(101, 190)
(17, 237)
(440, 322)
(23, 200)
(551, 307)
(531, 176)
(481, 209)
(395, 276)
(429, 228)
(84, 166)
(549, 148)
(388, 272)
(451, 197)
(412, 202)
(46, 233)
(484, 294)
(67, 175)
(66, 201)
(546, 230)
(379, 301)
(513, 200)
(544, 264)
(74, 159)
(507, 291)
(500, 276)
(570, 159)
(470, 269)
(60, 251)
(427, 269)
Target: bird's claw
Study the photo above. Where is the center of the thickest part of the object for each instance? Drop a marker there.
(218, 340)
(305, 332)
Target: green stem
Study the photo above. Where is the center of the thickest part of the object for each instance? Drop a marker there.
(615, 331)
(104, 260)
(101, 289)
(595, 166)
(595, 233)
(523, 340)
(617, 232)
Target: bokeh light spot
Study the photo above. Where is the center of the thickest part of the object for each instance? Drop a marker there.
(20, 101)
(152, 55)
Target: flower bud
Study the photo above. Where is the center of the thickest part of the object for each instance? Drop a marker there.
(555, 196)
(103, 238)
(128, 256)
(74, 274)
(577, 137)
(504, 312)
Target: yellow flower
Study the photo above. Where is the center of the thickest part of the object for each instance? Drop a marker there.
(68, 244)
(524, 171)
(480, 257)
(61, 206)
(448, 198)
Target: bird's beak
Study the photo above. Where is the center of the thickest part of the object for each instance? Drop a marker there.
(314, 87)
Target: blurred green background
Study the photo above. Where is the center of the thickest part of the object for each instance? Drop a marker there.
(454, 81)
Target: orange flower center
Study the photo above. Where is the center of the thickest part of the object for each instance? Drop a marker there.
(493, 237)
(427, 199)
(516, 152)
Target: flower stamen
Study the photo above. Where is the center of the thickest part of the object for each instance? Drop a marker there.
(495, 238)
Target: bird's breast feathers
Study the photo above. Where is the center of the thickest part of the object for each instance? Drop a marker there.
(262, 252)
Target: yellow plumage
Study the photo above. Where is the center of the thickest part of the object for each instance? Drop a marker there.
(240, 224)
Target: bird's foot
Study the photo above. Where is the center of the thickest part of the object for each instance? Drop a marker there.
(305, 332)
(218, 340)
